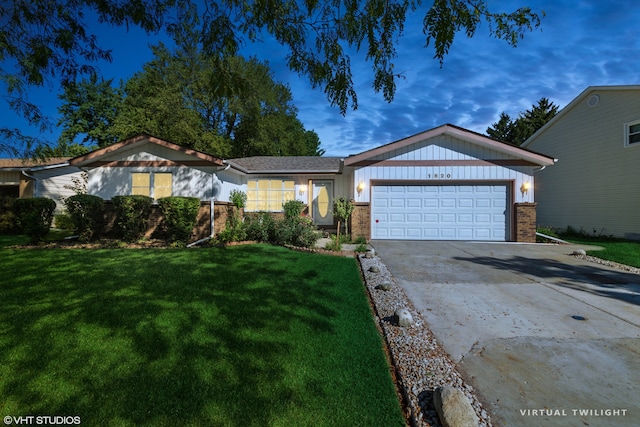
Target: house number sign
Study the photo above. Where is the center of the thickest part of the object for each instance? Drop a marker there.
(438, 175)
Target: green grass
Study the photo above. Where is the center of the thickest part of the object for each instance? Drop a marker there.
(617, 250)
(243, 336)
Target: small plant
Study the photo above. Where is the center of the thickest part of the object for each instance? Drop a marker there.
(238, 198)
(8, 220)
(334, 244)
(342, 210)
(293, 208)
(361, 248)
(360, 240)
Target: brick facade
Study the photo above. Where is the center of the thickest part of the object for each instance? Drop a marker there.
(525, 222)
(361, 221)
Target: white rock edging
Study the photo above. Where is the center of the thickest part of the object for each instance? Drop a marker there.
(421, 365)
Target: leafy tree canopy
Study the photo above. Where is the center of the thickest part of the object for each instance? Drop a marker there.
(51, 39)
(518, 130)
(229, 107)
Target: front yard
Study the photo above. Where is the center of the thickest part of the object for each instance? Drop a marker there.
(241, 336)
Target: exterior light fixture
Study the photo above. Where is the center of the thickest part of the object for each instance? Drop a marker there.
(360, 187)
(302, 189)
(524, 188)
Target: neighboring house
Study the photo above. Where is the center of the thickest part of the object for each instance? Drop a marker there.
(447, 183)
(594, 185)
(52, 178)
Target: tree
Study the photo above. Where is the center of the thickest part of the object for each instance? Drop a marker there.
(517, 131)
(89, 108)
(46, 40)
(229, 107)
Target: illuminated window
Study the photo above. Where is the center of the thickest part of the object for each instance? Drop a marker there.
(156, 184)
(269, 194)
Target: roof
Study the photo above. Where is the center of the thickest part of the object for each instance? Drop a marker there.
(460, 133)
(287, 164)
(23, 164)
(580, 98)
(96, 157)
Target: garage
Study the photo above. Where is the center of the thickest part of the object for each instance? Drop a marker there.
(471, 211)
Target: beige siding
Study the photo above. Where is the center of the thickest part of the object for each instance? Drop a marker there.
(56, 183)
(594, 185)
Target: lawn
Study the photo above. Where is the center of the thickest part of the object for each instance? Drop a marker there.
(618, 250)
(240, 336)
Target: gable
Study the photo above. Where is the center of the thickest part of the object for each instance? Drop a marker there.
(448, 145)
(145, 151)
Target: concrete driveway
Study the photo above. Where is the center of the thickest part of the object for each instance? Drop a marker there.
(511, 317)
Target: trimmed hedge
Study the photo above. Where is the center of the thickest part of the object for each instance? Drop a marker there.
(180, 215)
(34, 216)
(87, 214)
(132, 215)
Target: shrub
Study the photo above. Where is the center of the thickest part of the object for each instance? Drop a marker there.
(238, 198)
(360, 240)
(132, 215)
(180, 215)
(87, 215)
(292, 208)
(34, 216)
(261, 227)
(298, 231)
(8, 220)
(63, 221)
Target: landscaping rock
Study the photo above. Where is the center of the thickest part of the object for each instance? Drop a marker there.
(386, 286)
(374, 269)
(580, 252)
(454, 408)
(402, 317)
(369, 254)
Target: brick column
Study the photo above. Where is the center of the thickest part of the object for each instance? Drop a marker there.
(361, 221)
(525, 222)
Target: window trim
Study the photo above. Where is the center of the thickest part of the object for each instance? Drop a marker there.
(152, 182)
(255, 200)
(628, 134)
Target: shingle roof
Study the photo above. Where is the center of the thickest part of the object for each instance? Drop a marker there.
(28, 163)
(287, 164)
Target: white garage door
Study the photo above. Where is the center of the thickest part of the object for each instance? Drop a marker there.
(439, 212)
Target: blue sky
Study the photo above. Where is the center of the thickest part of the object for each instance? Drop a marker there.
(579, 44)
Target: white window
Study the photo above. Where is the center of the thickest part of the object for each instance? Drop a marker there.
(269, 194)
(632, 133)
(152, 184)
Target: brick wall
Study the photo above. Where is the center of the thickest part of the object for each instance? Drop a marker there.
(361, 221)
(525, 222)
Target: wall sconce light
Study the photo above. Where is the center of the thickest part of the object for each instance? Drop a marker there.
(360, 187)
(302, 189)
(524, 188)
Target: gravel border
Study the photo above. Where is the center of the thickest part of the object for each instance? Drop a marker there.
(419, 362)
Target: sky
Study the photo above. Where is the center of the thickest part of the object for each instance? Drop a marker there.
(579, 44)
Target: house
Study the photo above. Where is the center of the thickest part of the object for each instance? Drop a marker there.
(594, 186)
(447, 183)
(53, 178)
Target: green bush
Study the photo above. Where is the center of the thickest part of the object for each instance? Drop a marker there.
(132, 215)
(87, 215)
(63, 221)
(238, 198)
(360, 240)
(34, 216)
(292, 208)
(180, 215)
(260, 228)
(8, 220)
(298, 231)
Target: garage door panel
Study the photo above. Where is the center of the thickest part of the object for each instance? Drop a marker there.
(439, 212)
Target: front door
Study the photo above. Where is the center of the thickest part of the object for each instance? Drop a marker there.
(322, 204)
